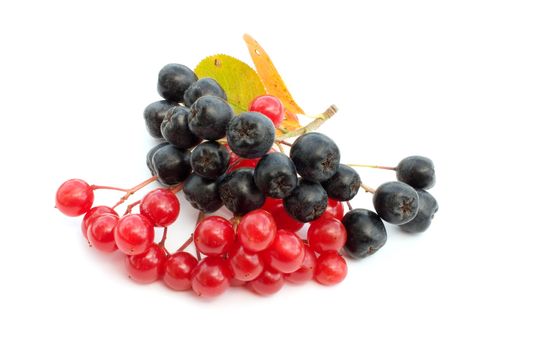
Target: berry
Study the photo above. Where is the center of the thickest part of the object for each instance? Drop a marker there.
(202, 194)
(316, 156)
(257, 230)
(178, 269)
(335, 209)
(245, 266)
(344, 185)
(211, 277)
(150, 154)
(307, 202)
(326, 233)
(396, 202)
(74, 197)
(286, 253)
(209, 117)
(175, 128)
(147, 267)
(210, 159)
(267, 283)
(101, 232)
(417, 172)
(239, 193)
(284, 220)
(275, 175)
(243, 163)
(270, 106)
(174, 79)
(171, 164)
(203, 87)
(214, 236)
(330, 268)
(306, 270)
(271, 204)
(154, 114)
(134, 234)
(427, 208)
(161, 206)
(365, 233)
(93, 213)
(250, 135)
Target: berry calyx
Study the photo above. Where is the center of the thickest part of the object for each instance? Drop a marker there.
(270, 106)
(257, 230)
(211, 277)
(178, 269)
(326, 233)
(330, 268)
(214, 236)
(74, 197)
(134, 234)
(396, 202)
(161, 206)
(147, 267)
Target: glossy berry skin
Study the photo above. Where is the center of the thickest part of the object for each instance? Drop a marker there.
(93, 213)
(210, 159)
(178, 269)
(306, 270)
(250, 135)
(214, 236)
(257, 230)
(396, 202)
(171, 164)
(211, 277)
(147, 267)
(150, 154)
(275, 175)
(161, 207)
(175, 128)
(243, 163)
(202, 194)
(74, 197)
(330, 268)
(209, 117)
(316, 156)
(335, 209)
(245, 265)
(203, 87)
(344, 185)
(417, 172)
(326, 233)
(365, 233)
(307, 202)
(101, 232)
(174, 79)
(154, 114)
(134, 234)
(286, 252)
(270, 106)
(267, 283)
(239, 193)
(427, 208)
(284, 220)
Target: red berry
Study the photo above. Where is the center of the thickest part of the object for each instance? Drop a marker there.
(326, 233)
(269, 282)
(335, 208)
(101, 232)
(233, 156)
(286, 253)
(330, 268)
(178, 269)
(211, 277)
(147, 267)
(134, 234)
(243, 163)
(93, 213)
(306, 271)
(245, 266)
(161, 206)
(236, 283)
(74, 197)
(270, 204)
(214, 236)
(256, 230)
(284, 220)
(270, 106)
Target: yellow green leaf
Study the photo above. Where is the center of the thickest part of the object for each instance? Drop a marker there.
(240, 82)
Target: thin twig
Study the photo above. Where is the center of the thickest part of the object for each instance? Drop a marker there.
(368, 188)
(372, 166)
(315, 124)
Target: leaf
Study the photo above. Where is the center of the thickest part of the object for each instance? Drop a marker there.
(273, 82)
(240, 82)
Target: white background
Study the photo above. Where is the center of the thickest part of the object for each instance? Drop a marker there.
(457, 81)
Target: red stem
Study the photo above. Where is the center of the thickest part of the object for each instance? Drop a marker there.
(186, 244)
(131, 191)
(349, 205)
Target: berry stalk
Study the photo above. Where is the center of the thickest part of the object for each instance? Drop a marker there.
(315, 124)
(372, 166)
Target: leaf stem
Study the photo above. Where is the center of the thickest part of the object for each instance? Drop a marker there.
(315, 124)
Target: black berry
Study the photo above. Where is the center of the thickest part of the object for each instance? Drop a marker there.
(154, 114)
(203, 194)
(203, 87)
(209, 117)
(210, 159)
(396, 202)
(275, 175)
(171, 164)
(174, 79)
(239, 193)
(316, 156)
(417, 172)
(175, 128)
(427, 208)
(307, 202)
(150, 154)
(250, 135)
(365, 233)
(344, 185)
